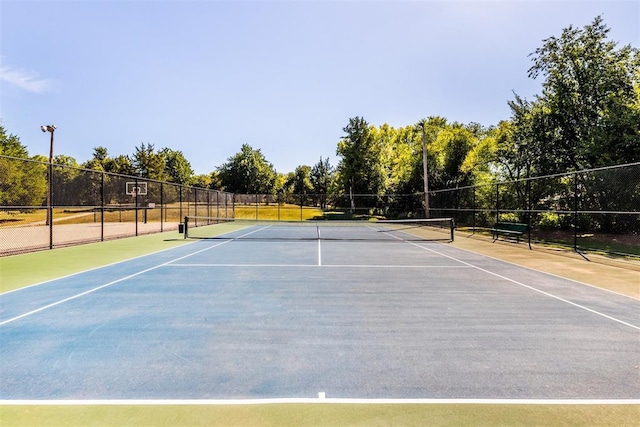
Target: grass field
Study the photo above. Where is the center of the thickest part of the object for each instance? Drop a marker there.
(277, 212)
(328, 414)
(81, 215)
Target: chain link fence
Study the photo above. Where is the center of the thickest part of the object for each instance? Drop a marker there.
(589, 210)
(44, 206)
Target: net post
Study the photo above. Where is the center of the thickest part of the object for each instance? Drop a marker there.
(186, 227)
(452, 225)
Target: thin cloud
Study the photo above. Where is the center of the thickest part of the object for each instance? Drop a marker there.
(25, 79)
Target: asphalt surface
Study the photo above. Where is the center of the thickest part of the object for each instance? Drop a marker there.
(353, 319)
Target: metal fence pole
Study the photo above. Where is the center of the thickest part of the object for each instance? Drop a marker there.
(102, 203)
(575, 211)
(528, 203)
(498, 202)
(161, 207)
(50, 203)
(180, 201)
(136, 206)
(474, 213)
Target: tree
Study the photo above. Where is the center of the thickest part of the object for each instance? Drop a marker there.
(23, 182)
(69, 181)
(99, 160)
(120, 164)
(300, 182)
(587, 114)
(248, 172)
(452, 146)
(149, 164)
(360, 167)
(10, 145)
(177, 166)
(215, 182)
(201, 181)
(321, 178)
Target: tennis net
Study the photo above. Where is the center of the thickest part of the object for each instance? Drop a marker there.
(434, 229)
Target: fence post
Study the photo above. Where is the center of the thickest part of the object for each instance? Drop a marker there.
(528, 209)
(102, 207)
(161, 207)
(50, 207)
(497, 202)
(195, 201)
(217, 203)
(180, 201)
(474, 213)
(575, 211)
(136, 207)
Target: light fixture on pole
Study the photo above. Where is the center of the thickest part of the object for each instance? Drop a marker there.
(51, 129)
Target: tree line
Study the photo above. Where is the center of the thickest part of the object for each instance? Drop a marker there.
(587, 116)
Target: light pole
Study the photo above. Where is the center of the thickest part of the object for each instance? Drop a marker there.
(425, 168)
(51, 129)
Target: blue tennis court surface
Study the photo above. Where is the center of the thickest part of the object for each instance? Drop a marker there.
(253, 319)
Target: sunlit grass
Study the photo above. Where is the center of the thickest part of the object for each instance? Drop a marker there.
(275, 212)
(322, 415)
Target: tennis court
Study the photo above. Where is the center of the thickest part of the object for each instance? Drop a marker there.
(367, 312)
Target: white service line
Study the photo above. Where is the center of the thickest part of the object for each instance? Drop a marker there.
(531, 287)
(319, 264)
(62, 301)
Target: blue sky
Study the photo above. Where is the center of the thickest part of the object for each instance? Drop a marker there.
(205, 77)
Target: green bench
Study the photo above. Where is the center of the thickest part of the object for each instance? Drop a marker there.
(511, 229)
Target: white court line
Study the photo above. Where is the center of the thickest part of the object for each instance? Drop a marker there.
(367, 266)
(550, 274)
(531, 288)
(62, 301)
(319, 400)
(92, 269)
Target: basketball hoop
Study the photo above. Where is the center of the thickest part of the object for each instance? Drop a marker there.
(136, 188)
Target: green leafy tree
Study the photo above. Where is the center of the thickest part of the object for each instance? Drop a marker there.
(10, 145)
(149, 164)
(452, 146)
(360, 167)
(202, 181)
(321, 178)
(299, 183)
(177, 166)
(99, 160)
(587, 114)
(427, 129)
(122, 165)
(23, 182)
(248, 172)
(215, 182)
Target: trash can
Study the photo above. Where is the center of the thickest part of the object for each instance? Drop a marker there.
(181, 228)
